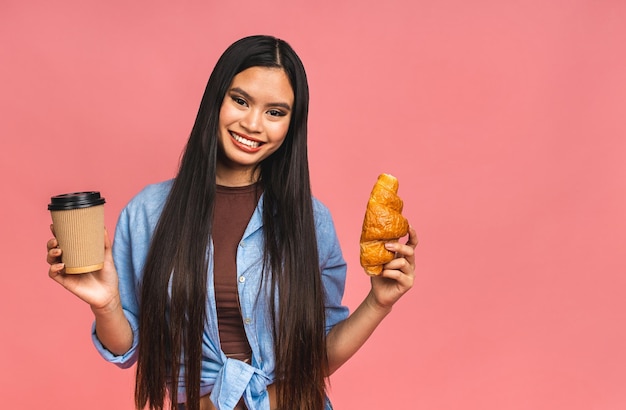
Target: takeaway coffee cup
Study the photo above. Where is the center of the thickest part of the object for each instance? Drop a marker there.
(78, 220)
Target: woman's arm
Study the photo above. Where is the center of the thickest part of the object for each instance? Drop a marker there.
(112, 328)
(100, 290)
(347, 337)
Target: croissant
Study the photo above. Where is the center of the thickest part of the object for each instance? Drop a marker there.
(383, 223)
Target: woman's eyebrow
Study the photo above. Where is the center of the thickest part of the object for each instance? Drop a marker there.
(249, 97)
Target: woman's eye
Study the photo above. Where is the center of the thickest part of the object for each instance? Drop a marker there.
(239, 100)
(276, 113)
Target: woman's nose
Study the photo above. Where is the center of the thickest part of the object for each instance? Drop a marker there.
(252, 121)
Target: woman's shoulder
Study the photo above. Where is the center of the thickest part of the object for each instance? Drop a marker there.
(155, 191)
(323, 218)
(320, 209)
(328, 245)
(151, 198)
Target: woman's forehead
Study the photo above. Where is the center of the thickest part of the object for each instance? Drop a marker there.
(264, 83)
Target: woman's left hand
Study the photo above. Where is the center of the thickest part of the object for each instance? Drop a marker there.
(398, 275)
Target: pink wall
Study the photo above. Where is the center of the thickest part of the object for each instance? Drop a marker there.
(504, 123)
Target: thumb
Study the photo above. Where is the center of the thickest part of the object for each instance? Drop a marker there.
(107, 244)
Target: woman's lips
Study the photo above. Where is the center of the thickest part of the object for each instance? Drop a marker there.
(245, 142)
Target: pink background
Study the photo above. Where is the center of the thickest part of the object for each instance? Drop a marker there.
(505, 124)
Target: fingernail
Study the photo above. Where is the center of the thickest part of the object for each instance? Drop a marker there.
(389, 245)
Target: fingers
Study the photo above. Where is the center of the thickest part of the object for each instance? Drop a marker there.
(53, 257)
(406, 251)
(52, 244)
(412, 241)
(401, 273)
(56, 271)
(401, 267)
(54, 252)
(404, 263)
(398, 275)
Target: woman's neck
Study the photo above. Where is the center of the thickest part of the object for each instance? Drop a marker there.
(235, 178)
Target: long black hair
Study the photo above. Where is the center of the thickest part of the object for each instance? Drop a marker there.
(178, 252)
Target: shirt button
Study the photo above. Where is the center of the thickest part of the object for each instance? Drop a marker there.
(242, 243)
(242, 279)
(247, 321)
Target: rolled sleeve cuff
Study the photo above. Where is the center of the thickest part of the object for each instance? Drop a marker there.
(127, 359)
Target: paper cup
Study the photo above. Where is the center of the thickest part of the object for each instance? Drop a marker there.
(78, 220)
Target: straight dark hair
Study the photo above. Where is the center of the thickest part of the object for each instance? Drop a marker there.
(178, 252)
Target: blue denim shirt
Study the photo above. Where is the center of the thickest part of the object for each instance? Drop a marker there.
(226, 379)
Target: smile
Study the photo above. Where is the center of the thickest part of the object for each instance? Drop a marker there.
(245, 141)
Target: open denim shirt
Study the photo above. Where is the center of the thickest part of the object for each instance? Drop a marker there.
(227, 380)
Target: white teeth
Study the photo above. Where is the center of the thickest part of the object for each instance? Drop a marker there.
(251, 144)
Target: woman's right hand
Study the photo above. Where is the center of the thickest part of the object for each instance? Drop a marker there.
(99, 289)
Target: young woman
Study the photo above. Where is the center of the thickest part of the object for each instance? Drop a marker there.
(224, 284)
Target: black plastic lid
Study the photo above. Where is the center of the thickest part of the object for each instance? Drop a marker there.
(75, 200)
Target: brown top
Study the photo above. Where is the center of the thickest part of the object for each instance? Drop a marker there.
(234, 207)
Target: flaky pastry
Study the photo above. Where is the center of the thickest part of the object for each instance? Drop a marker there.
(383, 223)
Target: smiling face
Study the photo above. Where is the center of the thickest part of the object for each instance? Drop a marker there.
(253, 123)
